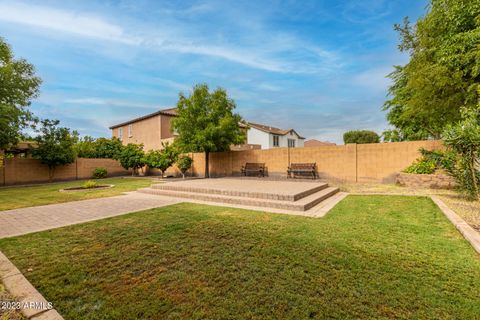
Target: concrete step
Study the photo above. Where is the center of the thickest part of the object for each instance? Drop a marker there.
(238, 193)
(303, 204)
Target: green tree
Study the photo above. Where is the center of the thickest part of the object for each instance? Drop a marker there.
(54, 145)
(184, 163)
(85, 148)
(442, 75)
(88, 147)
(162, 159)
(18, 86)
(464, 139)
(107, 148)
(206, 122)
(360, 136)
(132, 157)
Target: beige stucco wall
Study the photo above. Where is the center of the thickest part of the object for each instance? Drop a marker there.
(166, 127)
(379, 162)
(150, 132)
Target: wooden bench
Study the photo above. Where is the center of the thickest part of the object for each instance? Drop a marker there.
(302, 169)
(256, 168)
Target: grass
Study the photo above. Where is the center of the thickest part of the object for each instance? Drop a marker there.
(372, 257)
(28, 196)
(468, 210)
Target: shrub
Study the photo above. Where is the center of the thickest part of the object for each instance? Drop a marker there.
(463, 139)
(422, 166)
(443, 159)
(184, 163)
(89, 184)
(99, 173)
(360, 137)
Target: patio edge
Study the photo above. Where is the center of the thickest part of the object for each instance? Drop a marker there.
(472, 236)
(19, 287)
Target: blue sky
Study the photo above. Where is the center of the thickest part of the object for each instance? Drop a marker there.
(316, 66)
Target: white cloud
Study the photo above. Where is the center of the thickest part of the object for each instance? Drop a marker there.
(110, 102)
(64, 21)
(175, 38)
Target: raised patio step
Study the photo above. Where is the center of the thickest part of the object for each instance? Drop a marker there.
(303, 204)
(238, 193)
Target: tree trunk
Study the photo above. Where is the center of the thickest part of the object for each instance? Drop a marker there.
(473, 174)
(207, 172)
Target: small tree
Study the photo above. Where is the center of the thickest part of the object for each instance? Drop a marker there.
(162, 159)
(54, 145)
(464, 139)
(206, 122)
(132, 157)
(184, 163)
(360, 137)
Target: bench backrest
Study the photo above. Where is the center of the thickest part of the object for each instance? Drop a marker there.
(302, 165)
(254, 165)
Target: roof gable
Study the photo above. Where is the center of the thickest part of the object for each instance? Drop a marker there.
(171, 112)
(273, 130)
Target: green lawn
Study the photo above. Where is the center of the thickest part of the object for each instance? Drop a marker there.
(28, 196)
(371, 257)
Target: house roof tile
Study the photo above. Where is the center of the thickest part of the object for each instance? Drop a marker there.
(171, 112)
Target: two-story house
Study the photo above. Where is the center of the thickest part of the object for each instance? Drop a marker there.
(151, 129)
(155, 128)
(269, 137)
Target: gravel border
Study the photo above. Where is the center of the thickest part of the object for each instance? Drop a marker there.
(465, 229)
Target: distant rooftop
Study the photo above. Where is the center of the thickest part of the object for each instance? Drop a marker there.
(171, 112)
(272, 130)
(318, 143)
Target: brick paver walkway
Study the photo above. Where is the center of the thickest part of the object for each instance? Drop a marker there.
(27, 220)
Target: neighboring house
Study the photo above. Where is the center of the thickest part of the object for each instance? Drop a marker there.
(151, 130)
(155, 128)
(317, 143)
(269, 137)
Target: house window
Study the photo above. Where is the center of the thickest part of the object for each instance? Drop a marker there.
(120, 133)
(276, 141)
(291, 143)
(130, 131)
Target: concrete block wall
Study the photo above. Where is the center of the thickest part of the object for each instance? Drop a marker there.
(25, 170)
(378, 162)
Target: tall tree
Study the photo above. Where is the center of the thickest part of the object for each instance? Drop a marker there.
(18, 86)
(443, 74)
(207, 123)
(54, 145)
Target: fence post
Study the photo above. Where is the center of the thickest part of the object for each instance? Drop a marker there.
(3, 164)
(356, 162)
